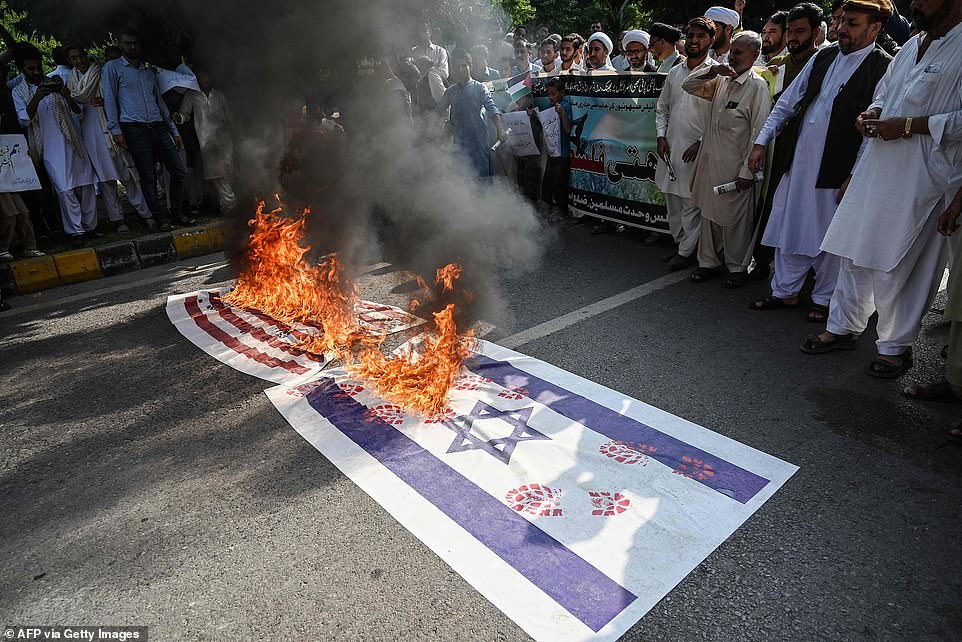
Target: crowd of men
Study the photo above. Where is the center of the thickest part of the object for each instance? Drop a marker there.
(95, 128)
(821, 145)
(824, 145)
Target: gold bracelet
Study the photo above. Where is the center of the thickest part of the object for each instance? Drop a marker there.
(908, 128)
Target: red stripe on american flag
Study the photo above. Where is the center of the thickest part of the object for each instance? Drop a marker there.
(205, 324)
(228, 314)
(218, 303)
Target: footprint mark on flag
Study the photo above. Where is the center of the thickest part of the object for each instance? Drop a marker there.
(470, 382)
(627, 452)
(535, 499)
(694, 468)
(607, 504)
(349, 389)
(447, 415)
(388, 413)
(513, 393)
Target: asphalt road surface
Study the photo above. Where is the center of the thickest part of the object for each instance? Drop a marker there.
(145, 483)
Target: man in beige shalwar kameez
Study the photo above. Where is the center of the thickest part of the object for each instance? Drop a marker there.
(741, 101)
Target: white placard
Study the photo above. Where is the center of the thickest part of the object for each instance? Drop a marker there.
(551, 123)
(17, 173)
(521, 138)
(180, 79)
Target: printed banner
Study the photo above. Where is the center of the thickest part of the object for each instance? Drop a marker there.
(261, 346)
(613, 146)
(17, 173)
(571, 507)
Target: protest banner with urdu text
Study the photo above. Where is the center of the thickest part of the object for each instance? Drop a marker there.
(613, 146)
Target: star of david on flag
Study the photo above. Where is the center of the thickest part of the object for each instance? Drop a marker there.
(466, 428)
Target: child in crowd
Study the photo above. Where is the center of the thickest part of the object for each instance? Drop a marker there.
(554, 188)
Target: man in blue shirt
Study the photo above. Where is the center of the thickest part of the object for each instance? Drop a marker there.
(466, 98)
(139, 121)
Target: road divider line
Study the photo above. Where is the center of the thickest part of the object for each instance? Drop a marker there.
(582, 314)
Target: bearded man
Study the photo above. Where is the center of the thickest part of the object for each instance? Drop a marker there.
(886, 227)
(813, 119)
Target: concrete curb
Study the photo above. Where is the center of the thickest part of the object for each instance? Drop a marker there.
(26, 276)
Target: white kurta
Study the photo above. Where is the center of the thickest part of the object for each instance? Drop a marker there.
(898, 185)
(801, 213)
(67, 169)
(680, 118)
(437, 54)
(721, 59)
(107, 166)
(211, 116)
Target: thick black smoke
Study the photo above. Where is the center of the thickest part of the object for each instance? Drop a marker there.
(390, 191)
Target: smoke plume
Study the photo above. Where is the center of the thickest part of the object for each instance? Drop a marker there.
(390, 191)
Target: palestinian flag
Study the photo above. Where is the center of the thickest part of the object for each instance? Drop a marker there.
(519, 86)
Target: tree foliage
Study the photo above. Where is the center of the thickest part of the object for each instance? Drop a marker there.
(18, 24)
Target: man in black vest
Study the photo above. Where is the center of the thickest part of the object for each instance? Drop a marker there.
(822, 105)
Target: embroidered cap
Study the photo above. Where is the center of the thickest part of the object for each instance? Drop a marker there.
(880, 7)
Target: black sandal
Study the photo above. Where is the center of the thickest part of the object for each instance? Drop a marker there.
(814, 344)
(704, 274)
(941, 391)
(736, 280)
(817, 313)
(887, 370)
(771, 303)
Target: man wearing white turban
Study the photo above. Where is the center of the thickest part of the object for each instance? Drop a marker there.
(726, 21)
(599, 52)
(635, 45)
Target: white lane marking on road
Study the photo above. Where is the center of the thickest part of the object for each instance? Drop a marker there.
(581, 314)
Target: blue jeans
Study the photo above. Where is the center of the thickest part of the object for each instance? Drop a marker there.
(147, 145)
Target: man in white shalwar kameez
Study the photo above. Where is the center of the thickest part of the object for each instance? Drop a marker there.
(210, 112)
(52, 136)
(110, 163)
(826, 102)
(885, 228)
(679, 123)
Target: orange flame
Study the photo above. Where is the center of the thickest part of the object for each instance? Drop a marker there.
(419, 380)
(448, 274)
(280, 282)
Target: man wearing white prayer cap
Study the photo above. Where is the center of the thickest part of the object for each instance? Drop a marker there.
(727, 20)
(635, 45)
(599, 51)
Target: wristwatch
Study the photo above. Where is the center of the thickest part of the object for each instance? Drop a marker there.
(908, 128)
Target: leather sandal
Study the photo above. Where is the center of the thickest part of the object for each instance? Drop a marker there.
(814, 344)
(771, 303)
(887, 370)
